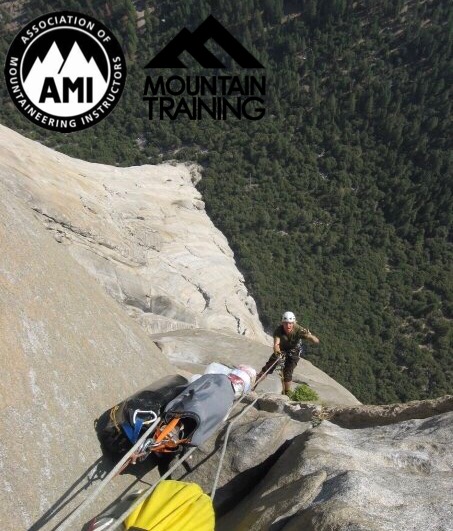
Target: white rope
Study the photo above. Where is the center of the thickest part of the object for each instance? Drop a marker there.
(227, 434)
(89, 499)
(222, 455)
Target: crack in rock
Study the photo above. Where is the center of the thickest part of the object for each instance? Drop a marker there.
(238, 321)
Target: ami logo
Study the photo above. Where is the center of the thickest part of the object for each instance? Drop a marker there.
(65, 71)
(194, 43)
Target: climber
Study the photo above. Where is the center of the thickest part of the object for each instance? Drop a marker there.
(288, 345)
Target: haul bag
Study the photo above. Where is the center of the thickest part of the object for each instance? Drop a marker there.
(202, 406)
(173, 506)
(118, 427)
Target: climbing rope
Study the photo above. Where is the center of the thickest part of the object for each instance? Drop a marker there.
(227, 434)
(112, 415)
(66, 524)
(222, 455)
(278, 361)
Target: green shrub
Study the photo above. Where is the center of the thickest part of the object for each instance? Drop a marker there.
(303, 393)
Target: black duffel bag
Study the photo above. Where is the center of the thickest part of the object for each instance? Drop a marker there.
(121, 426)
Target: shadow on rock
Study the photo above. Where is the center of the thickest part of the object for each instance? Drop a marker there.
(228, 496)
(96, 472)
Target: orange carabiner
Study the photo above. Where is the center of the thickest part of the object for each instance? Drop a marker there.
(167, 429)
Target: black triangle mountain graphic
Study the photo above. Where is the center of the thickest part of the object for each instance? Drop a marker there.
(65, 40)
(194, 43)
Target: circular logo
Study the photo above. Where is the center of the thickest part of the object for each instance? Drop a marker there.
(65, 71)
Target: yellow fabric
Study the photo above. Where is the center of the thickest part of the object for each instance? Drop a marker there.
(174, 506)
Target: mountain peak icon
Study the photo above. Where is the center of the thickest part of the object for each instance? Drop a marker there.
(194, 43)
(62, 43)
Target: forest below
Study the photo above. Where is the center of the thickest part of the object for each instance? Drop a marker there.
(338, 203)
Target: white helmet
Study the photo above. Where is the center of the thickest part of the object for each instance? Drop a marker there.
(288, 317)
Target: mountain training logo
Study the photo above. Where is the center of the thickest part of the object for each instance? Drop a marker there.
(65, 71)
(213, 96)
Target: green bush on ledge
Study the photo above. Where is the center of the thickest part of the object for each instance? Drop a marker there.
(303, 393)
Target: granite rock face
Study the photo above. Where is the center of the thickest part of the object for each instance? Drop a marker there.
(68, 352)
(141, 232)
(396, 477)
(366, 416)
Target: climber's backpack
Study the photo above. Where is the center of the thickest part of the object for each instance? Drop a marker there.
(120, 427)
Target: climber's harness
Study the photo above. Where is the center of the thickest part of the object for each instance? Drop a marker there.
(295, 353)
